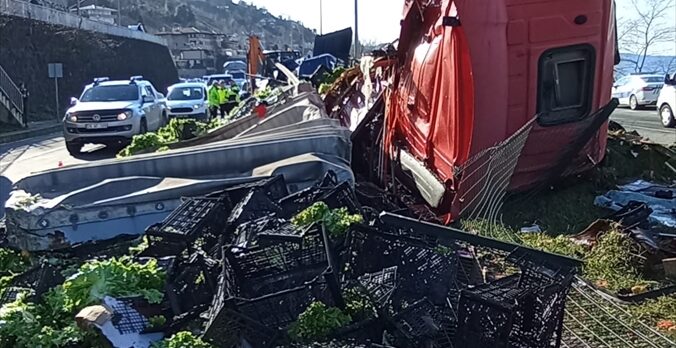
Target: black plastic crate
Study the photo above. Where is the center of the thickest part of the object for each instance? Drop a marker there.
(274, 187)
(261, 321)
(417, 325)
(422, 270)
(11, 293)
(380, 285)
(267, 231)
(341, 196)
(254, 205)
(520, 310)
(192, 282)
(35, 281)
(192, 218)
(264, 270)
(162, 245)
(296, 202)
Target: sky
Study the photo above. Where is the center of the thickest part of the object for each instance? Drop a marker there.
(379, 19)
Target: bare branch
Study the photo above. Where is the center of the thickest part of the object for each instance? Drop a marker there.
(640, 35)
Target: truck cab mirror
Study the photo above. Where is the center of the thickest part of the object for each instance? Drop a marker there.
(73, 101)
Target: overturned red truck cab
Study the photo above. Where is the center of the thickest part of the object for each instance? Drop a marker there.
(495, 96)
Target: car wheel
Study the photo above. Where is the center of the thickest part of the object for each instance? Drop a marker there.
(144, 126)
(165, 119)
(73, 148)
(633, 103)
(667, 116)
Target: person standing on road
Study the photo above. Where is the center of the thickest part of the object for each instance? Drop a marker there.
(233, 97)
(213, 99)
(24, 98)
(223, 95)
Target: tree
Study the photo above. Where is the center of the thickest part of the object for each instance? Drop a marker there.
(651, 27)
(184, 15)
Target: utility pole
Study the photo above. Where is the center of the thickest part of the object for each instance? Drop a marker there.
(321, 17)
(356, 29)
(119, 13)
(78, 7)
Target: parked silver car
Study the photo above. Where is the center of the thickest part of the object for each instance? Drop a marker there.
(638, 90)
(188, 100)
(113, 112)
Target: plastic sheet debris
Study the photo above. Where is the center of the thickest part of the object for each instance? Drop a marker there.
(119, 323)
(658, 197)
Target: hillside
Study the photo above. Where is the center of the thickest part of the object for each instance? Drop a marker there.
(235, 19)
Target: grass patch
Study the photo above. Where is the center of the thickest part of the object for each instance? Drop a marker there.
(568, 207)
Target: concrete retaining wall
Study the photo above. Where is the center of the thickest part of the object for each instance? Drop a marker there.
(45, 14)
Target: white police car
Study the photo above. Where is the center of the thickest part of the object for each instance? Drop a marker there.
(638, 90)
(111, 112)
(188, 100)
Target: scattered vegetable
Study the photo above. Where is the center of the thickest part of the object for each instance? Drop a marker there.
(12, 262)
(358, 305)
(317, 322)
(176, 130)
(113, 277)
(157, 321)
(336, 221)
(182, 339)
(613, 260)
(661, 312)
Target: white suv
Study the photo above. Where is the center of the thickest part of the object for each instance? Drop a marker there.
(666, 102)
(638, 90)
(110, 112)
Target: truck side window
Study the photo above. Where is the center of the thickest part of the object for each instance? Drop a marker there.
(565, 85)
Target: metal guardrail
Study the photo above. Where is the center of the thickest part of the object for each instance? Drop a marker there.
(27, 10)
(11, 90)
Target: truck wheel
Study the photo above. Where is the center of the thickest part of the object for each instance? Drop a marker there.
(633, 103)
(73, 148)
(667, 116)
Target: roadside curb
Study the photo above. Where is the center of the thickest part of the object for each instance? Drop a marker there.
(29, 133)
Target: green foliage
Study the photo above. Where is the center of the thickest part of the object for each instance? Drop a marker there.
(157, 321)
(29, 325)
(612, 262)
(113, 277)
(142, 143)
(12, 261)
(659, 312)
(317, 322)
(178, 129)
(336, 221)
(358, 305)
(182, 339)
(263, 93)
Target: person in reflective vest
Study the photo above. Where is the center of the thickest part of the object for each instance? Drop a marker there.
(223, 95)
(213, 99)
(233, 96)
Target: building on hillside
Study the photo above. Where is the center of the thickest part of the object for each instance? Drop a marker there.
(97, 13)
(196, 49)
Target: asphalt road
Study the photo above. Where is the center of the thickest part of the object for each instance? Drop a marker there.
(646, 122)
(19, 159)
